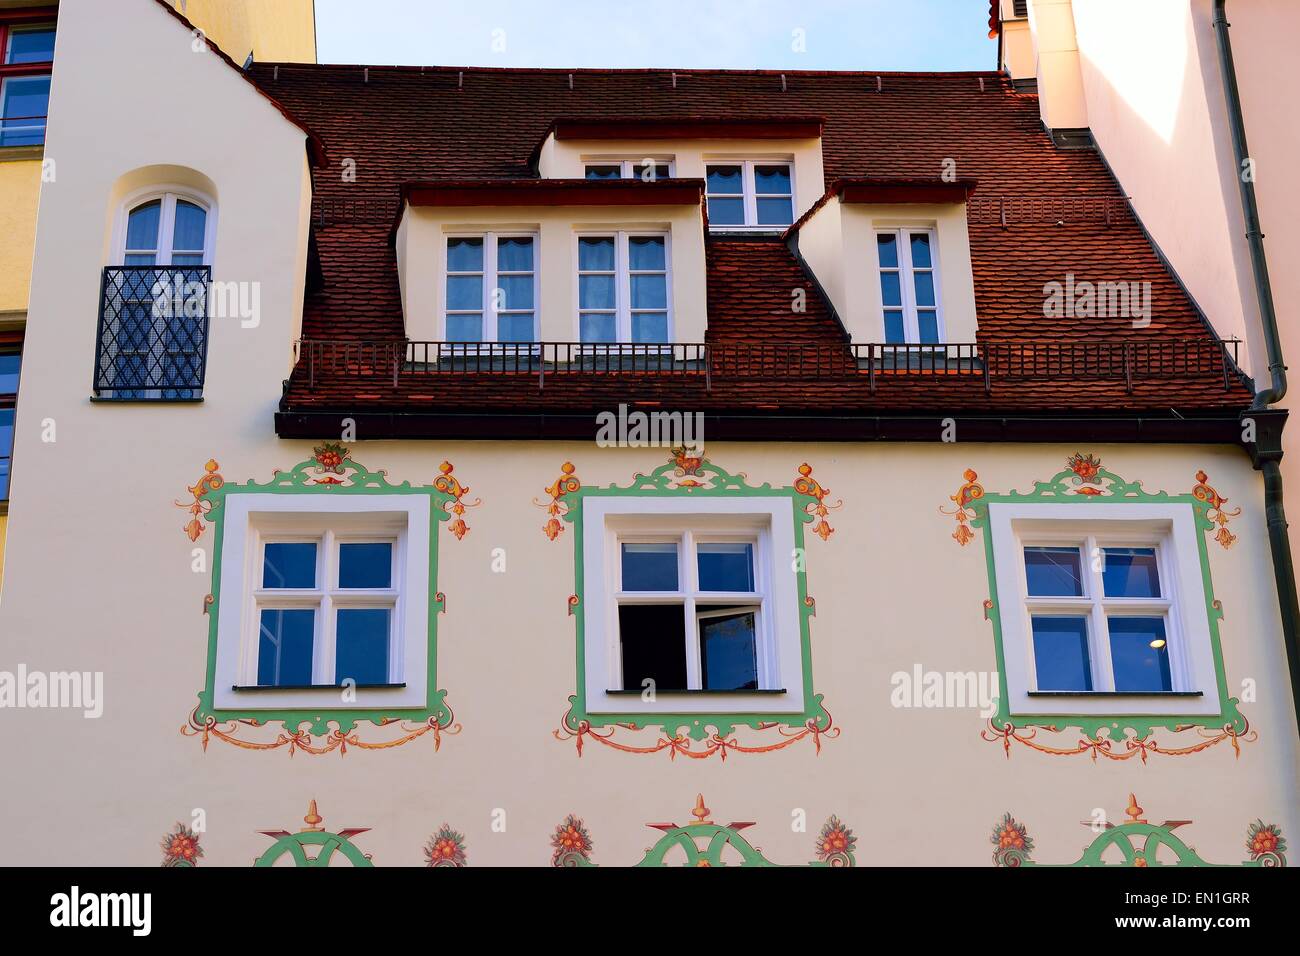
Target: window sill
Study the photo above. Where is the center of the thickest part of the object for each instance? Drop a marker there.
(106, 400)
(1116, 693)
(241, 688)
(14, 154)
(659, 692)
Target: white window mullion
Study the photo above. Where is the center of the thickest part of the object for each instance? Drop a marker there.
(323, 655)
(750, 192)
(489, 287)
(906, 281)
(1103, 671)
(623, 288)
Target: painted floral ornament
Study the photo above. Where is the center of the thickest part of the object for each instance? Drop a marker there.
(835, 843)
(1265, 843)
(570, 843)
(1087, 471)
(181, 847)
(446, 848)
(1012, 844)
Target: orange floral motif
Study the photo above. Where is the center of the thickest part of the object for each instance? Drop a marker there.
(181, 847)
(199, 508)
(570, 842)
(1203, 491)
(968, 492)
(1088, 469)
(566, 484)
(446, 848)
(806, 484)
(448, 484)
(688, 460)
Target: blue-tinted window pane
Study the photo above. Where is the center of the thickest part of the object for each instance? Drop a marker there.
(191, 221)
(596, 254)
(1053, 572)
(142, 228)
(1139, 653)
(24, 101)
(515, 327)
(140, 259)
(775, 212)
(614, 171)
(728, 659)
(924, 282)
(650, 567)
(646, 254)
(34, 45)
(464, 292)
(1061, 653)
(516, 292)
(649, 327)
(596, 292)
(361, 652)
(920, 250)
(289, 565)
(1130, 572)
(650, 292)
(194, 259)
(10, 363)
(6, 449)
(368, 565)
(726, 566)
(928, 326)
(894, 328)
(465, 255)
(891, 292)
(597, 328)
(726, 212)
(772, 179)
(887, 249)
(284, 648)
(465, 328)
(725, 179)
(515, 254)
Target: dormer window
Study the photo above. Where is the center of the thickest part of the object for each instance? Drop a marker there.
(623, 288)
(909, 285)
(750, 194)
(647, 169)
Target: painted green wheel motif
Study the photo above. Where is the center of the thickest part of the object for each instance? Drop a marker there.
(295, 846)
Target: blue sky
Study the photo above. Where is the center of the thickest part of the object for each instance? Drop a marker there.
(735, 34)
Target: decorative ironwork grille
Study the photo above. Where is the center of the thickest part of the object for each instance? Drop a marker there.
(152, 343)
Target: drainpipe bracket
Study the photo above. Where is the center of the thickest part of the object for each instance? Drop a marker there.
(1267, 425)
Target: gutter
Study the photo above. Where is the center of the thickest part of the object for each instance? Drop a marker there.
(1267, 457)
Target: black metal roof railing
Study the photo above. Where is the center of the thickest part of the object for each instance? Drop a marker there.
(395, 362)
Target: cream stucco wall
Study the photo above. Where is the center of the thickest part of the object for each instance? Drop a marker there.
(892, 588)
(422, 246)
(1061, 100)
(269, 29)
(566, 159)
(838, 242)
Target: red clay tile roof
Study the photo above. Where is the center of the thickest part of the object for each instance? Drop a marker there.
(403, 124)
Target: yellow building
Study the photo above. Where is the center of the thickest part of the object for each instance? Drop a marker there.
(282, 30)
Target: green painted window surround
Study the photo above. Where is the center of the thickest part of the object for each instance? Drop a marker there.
(332, 473)
(700, 479)
(1088, 490)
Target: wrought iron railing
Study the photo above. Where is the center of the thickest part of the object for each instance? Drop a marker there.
(396, 362)
(152, 341)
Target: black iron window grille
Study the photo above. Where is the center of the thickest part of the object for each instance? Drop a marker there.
(152, 343)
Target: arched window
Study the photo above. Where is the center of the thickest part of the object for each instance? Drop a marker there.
(154, 319)
(167, 230)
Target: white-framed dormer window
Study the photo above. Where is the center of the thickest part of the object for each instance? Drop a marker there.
(749, 194)
(908, 263)
(623, 287)
(1112, 606)
(646, 169)
(491, 287)
(318, 595)
(693, 600)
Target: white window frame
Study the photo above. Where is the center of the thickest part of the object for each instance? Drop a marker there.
(768, 523)
(622, 282)
(630, 168)
(252, 520)
(168, 195)
(748, 192)
(490, 283)
(1171, 530)
(907, 283)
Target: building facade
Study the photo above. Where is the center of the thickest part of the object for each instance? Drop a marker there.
(492, 462)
